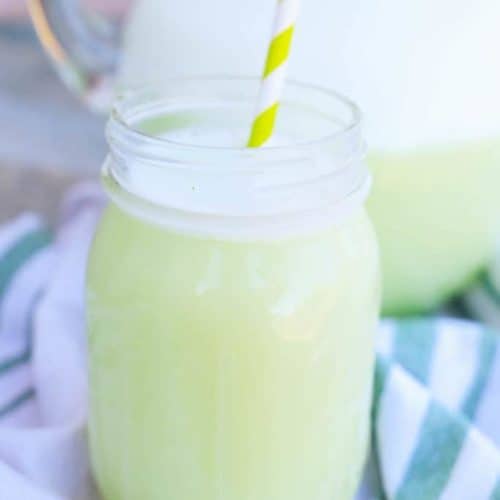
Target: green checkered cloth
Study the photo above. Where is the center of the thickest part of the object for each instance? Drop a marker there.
(482, 299)
(436, 411)
(24, 267)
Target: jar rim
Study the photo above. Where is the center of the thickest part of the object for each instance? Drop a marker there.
(302, 183)
(126, 96)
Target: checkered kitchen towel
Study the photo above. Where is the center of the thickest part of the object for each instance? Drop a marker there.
(436, 412)
(482, 299)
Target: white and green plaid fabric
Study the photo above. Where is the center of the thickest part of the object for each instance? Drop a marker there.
(24, 265)
(482, 300)
(436, 411)
(436, 424)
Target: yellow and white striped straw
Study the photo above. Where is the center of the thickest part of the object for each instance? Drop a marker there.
(274, 76)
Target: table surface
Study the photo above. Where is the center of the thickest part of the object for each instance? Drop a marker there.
(34, 189)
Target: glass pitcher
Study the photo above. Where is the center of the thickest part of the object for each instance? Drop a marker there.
(425, 73)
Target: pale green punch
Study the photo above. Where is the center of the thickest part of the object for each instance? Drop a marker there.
(232, 300)
(439, 205)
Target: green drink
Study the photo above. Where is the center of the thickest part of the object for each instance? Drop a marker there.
(231, 345)
(447, 220)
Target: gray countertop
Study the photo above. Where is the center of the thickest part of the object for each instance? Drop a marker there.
(33, 189)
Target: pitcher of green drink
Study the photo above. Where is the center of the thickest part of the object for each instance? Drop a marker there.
(232, 299)
(424, 72)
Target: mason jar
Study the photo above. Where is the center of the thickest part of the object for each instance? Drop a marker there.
(232, 298)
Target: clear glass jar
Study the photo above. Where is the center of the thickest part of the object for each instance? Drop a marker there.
(233, 296)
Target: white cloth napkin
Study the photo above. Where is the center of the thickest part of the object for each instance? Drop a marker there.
(43, 381)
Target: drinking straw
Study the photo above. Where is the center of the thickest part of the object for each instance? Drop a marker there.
(274, 75)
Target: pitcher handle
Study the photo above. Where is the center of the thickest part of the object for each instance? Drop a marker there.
(83, 46)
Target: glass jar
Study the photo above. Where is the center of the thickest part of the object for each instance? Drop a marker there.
(232, 299)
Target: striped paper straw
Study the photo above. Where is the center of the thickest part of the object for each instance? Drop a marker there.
(274, 76)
